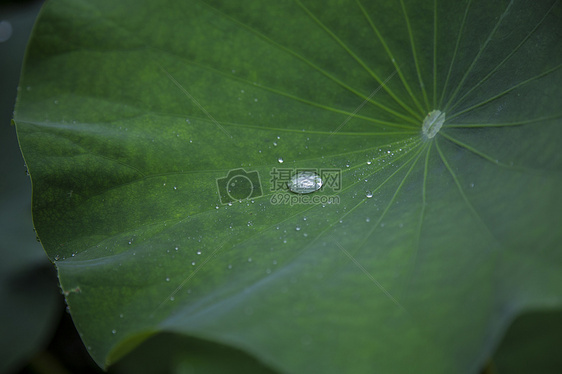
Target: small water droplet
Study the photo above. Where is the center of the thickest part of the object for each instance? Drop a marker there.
(367, 219)
(121, 315)
(114, 331)
(193, 263)
(368, 162)
(249, 259)
(175, 188)
(369, 194)
(198, 252)
(298, 228)
(167, 279)
(280, 160)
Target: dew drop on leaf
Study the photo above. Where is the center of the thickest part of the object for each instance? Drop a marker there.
(305, 182)
(432, 123)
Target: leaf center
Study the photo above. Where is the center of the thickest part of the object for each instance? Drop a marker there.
(432, 123)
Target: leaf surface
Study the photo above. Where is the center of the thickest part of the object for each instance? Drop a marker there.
(139, 116)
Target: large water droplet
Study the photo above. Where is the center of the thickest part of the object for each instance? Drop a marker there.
(305, 182)
(432, 123)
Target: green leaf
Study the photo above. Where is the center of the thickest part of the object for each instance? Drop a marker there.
(531, 344)
(137, 114)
